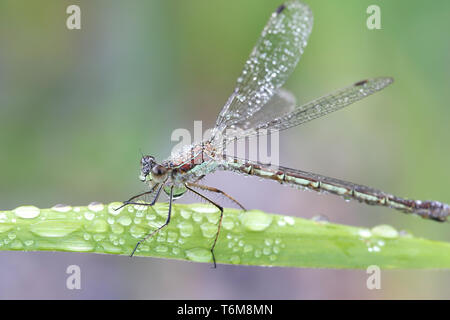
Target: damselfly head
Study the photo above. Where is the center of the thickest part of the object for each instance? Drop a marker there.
(147, 163)
(150, 170)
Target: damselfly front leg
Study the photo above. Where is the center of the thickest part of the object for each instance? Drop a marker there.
(151, 234)
(155, 198)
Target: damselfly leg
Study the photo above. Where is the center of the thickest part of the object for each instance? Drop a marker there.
(151, 234)
(220, 219)
(155, 198)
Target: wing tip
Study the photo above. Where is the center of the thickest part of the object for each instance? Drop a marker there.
(280, 9)
(295, 5)
(385, 81)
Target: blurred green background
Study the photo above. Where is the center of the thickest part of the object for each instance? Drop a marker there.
(77, 106)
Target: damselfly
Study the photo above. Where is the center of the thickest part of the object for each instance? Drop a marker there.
(258, 102)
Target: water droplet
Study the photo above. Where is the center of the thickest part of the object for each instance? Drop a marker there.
(140, 209)
(117, 229)
(124, 220)
(364, 233)
(385, 231)
(161, 249)
(155, 223)
(204, 208)
(11, 235)
(248, 248)
(255, 220)
(227, 223)
(257, 253)
(172, 236)
(113, 208)
(99, 237)
(137, 232)
(61, 208)
(199, 255)
(143, 248)
(197, 217)
(98, 226)
(289, 220)
(267, 251)
(78, 245)
(185, 213)
(208, 230)
(89, 215)
(235, 259)
(3, 217)
(281, 222)
(175, 251)
(140, 214)
(268, 242)
(111, 248)
(96, 206)
(27, 212)
(160, 237)
(28, 242)
(53, 228)
(186, 229)
(16, 244)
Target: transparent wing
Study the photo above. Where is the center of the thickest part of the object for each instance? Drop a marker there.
(316, 108)
(281, 103)
(271, 61)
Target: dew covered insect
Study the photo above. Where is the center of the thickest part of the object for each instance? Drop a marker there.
(259, 102)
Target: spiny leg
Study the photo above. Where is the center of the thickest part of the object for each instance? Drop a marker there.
(125, 203)
(220, 219)
(159, 228)
(212, 189)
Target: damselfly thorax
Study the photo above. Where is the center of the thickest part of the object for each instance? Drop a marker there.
(259, 102)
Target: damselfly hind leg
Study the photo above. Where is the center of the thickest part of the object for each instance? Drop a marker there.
(189, 186)
(212, 189)
(220, 220)
(159, 228)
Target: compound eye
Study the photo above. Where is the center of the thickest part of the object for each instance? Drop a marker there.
(158, 170)
(147, 160)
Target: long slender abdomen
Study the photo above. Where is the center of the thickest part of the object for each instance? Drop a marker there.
(304, 180)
